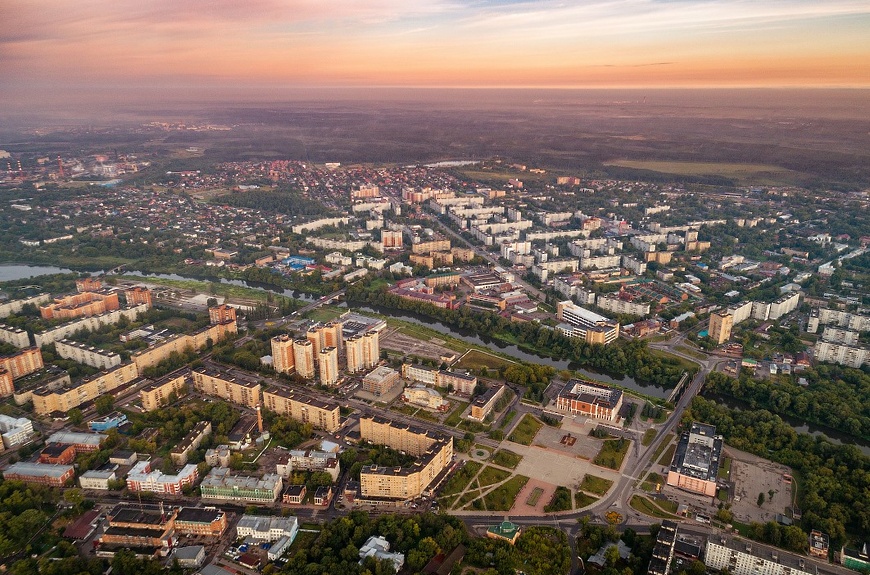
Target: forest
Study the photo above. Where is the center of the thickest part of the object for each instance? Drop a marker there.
(837, 397)
(833, 480)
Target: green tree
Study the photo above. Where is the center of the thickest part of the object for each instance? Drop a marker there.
(75, 416)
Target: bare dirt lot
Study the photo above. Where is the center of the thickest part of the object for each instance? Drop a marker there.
(753, 476)
(395, 340)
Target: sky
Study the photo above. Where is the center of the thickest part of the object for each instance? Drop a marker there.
(85, 48)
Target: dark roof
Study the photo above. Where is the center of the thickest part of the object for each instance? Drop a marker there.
(81, 527)
(198, 515)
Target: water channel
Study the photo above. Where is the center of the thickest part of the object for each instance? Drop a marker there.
(10, 272)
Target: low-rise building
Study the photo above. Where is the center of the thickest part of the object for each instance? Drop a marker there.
(138, 528)
(380, 381)
(504, 531)
(15, 430)
(82, 442)
(265, 528)
(190, 442)
(424, 397)
(40, 473)
(221, 484)
(201, 521)
(97, 479)
(189, 557)
(142, 478)
(581, 397)
(107, 422)
(482, 405)
(379, 548)
(695, 466)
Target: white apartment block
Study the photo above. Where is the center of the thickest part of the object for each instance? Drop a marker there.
(14, 336)
(621, 306)
(87, 354)
(740, 311)
(838, 318)
(841, 336)
(636, 267)
(783, 305)
(742, 557)
(600, 262)
(840, 354)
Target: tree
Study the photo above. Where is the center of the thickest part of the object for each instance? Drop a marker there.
(75, 416)
(104, 404)
(760, 499)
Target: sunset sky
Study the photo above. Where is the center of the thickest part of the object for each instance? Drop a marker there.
(56, 46)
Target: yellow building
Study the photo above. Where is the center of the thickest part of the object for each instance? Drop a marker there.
(320, 414)
(23, 362)
(182, 342)
(48, 399)
(431, 246)
(434, 453)
(303, 357)
(283, 359)
(217, 384)
(328, 366)
(154, 395)
(353, 347)
(720, 327)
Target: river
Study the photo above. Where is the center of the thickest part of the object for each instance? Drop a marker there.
(10, 272)
(831, 435)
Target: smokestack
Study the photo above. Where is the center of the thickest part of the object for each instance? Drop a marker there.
(60, 166)
(260, 420)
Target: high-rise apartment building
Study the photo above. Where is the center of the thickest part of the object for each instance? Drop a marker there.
(283, 359)
(720, 326)
(303, 357)
(328, 366)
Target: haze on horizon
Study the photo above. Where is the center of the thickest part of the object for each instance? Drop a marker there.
(89, 53)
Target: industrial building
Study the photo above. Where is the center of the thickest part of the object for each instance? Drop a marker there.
(696, 461)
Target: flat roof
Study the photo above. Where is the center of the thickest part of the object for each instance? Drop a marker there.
(199, 514)
(37, 469)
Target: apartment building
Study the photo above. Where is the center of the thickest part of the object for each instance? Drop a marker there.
(221, 484)
(321, 414)
(840, 336)
(585, 324)
(744, 557)
(156, 394)
(783, 305)
(582, 397)
(434, 453)
(221, 313)
(53, 398)
(87, 354)
(15, 430)
(837, 318)
(615, 304)
(303, 358)
(840, 354)
(417, 373)
(720, 326)
(7, 387)
(81, 304)
(180, 343)
(14, 336)
(283, 359)
(191, 441)
(328, 366)
(92, 323)
(23, 362)
(218, 384)
(462, 383)
(138, 295)
(15, 306)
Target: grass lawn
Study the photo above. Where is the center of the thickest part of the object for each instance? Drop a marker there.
(649, 484)
(648, 436)
(476, 359)
(492, 475)
(467, 498)
(662, 446)
(426, 334)
(691, 352)
(525, 432)
(456, 415)
(506, 458)
(725, 468)
(742, 173)
(581, 500)
(596, 485)
(502, 498)
(325, 313)
(668, 455)
(612, 453)
(507, 419)
(534, 496)
(647, 507)
(461, 478)
(207, 287)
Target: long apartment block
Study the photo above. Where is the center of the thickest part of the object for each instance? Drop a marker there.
(225, 386)
(321, 414)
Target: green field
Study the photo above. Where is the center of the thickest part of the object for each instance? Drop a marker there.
(647, 507)
(724, 468)
(502, 498)
(509, 416)
(461, 478)
(662, 446)
(506, 458)
(653, 479)
(596, 485)
(456, 415)
(524, 433)
(476, 360)
(581, 500)
(325, 313)
(612, 453)
(741, 173)
(648, 436)
(492, 475)
(668, 455)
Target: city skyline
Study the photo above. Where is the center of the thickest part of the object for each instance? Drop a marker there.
(234, 49)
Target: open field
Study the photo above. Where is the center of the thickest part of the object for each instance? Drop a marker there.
(325, 313)
(456, 415)
(506, 458)
(648, 436)
(581, 500)
(476, 359)
(742, 173)
(524, 433)
(502, 498)
(653, 479)
(596, 485)
(668, 455)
